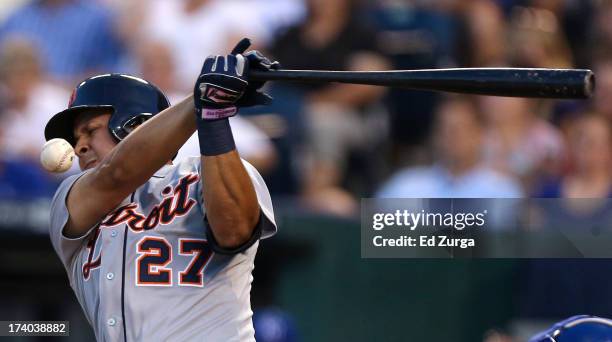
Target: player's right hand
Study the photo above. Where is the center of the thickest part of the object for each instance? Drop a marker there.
(253, 95)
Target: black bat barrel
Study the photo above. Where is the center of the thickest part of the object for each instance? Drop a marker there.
(513, 82)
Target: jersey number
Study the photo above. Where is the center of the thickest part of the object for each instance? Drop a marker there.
(156, 254)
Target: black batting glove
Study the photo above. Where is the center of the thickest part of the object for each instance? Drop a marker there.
(222, 82)
(253, 95)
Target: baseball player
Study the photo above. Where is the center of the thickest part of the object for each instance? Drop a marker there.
(161, 250)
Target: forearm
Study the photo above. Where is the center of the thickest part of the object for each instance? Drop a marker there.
(231, 203)
(150, 146)
(229, 195)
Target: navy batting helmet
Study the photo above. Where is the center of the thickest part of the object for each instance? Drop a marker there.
(131, 101)
(580, 328)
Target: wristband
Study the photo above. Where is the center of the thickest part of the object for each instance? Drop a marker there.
(217, 113)
(215, 137)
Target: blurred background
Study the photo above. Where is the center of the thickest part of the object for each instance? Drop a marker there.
(321, 148)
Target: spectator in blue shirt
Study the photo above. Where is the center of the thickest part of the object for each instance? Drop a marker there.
(23, 179)
(458, 170)
(75, 37)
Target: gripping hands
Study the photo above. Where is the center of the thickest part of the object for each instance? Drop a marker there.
(221, 88)
(223, 85)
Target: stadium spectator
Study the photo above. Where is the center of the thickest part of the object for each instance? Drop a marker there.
(75, 37)
(332, 38)
(601, 37)
(194, 29)
(537, 40)
(23, 179)
(459, 170)
(277, 15)
(576, 20)
(156, 63)
(28, 98)
(413, 35)
(602, 101)
(485, 28)
(518, 142)
(590, 150)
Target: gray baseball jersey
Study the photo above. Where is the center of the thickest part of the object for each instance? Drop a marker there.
(146, 271)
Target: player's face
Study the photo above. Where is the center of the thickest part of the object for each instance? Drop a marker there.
(93, 140)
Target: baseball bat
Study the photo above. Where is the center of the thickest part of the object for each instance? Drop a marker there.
(512, 82)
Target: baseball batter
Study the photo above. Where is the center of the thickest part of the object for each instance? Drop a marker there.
(155, 249)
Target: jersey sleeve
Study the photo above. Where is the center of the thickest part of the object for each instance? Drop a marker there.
(263, 196)
(265, 201)
(64, 247)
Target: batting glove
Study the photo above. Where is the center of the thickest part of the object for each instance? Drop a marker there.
(255, 61)
(220, 84)
(253, 96)
(223, 85)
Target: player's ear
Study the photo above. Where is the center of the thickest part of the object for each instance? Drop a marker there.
(242, 46)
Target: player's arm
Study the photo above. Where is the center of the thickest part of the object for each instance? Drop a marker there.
(130, 164)
(232, 209)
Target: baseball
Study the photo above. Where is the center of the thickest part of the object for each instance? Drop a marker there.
(57, 155)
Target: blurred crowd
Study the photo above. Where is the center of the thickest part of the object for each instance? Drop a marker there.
(325, 146)
(322, 147)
